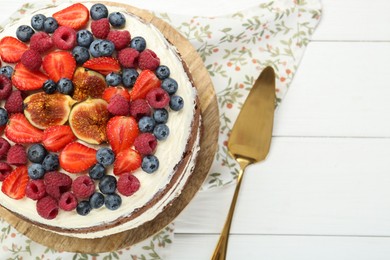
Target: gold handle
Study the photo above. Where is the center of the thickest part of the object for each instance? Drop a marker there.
(221, 248)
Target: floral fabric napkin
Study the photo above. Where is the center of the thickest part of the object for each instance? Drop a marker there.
(235, 48)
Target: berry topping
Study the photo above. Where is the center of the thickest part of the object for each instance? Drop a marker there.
(119, 106)
(139, 108)
(14, 185)
(11, 49)
(128, 184)
(36, 153)
(105, 156)
(41, 42)
(176, 103)
(75, 16)
(24, 33)
(59, 64)
(76, 157)
(106, 48)
(67, 201)
(81, 54)
(121, 132)
(98, 11)
(107, 184)
(114, 79)
(24, 79)
(83, 208)
(84, 38)
(117, 19)
(146, 81)
(47, 207)
(138, 43)
(7, 71)
(31, 59)
(64, 38)
(169, 85)
(83, 187)
(100, 28)
(55, 138)
(127, 160)
(148, 60)
(162, 72)
(112, 91)
(121, 39)
(17, 155)
(160, 115)
(50, 25)
(5, 170)
(96, 200)
(145, 143)
(103, 65)
(14, 103)
(128, 57)
(37, 21)
(146, 124)
(57, 183)
(19, 130)
(113, 201)
(97, 171)
(94, 48)
(49, 87)
(158, 98)
(150, 163)
(129, 76)
(51, 162)
(5, 87)
(65, 86)
(161, 132)
(35, 189)
(4, 147)
(36, 171)
(3, 118)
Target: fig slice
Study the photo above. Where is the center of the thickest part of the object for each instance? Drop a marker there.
(88, 120)
(88, 83)
(43, 110)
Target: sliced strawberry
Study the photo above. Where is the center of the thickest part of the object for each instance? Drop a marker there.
(112, 91)
(121, 132)
(19, 130)
(59, 64)
(55, 138)
(127, 160)
(14, 186)
(11, 49)
(103, 65)
(146, 81)
(76, 157)
(24, 79)
(75, 16)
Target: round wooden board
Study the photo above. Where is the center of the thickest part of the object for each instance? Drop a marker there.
(208, 146)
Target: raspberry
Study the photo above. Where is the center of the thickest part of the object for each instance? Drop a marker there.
(4, 147)
(119, 106)
(128, 57)
(41, 42)
(157, 98)
(31, 59)
(100, 28)
(14, 103)
(64, 38)
(17, 155)
(5, 170)
(148, 60)
(139, 108)
(57, 183)
(83, 187)
(121, 39)
(47, 207)
(145, 143)
(5, 87)
(68, 201)
(128, 184)
(35, 189)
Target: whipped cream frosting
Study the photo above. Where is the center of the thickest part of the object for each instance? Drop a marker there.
(169, 152)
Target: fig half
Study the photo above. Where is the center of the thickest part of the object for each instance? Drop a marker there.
(88, 83)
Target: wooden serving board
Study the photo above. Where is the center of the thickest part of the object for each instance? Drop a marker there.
(208, 146)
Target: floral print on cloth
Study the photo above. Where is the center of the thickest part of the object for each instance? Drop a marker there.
(235, 49)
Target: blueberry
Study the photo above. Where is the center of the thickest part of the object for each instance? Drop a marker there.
(161, 131)
(36, 153)
(98, 11)
(24, 33)
(36, 171)
(84, 38)
(37, 22)
(106, 48)
(113, 79)
(49, 86)
(83, 208)
(3, 116)
(81, 54)
(138, 43)
(146, 124)
(113, 201)
(117, 19)
(107, 185)
(51, 162)
(169, 85)
(97, 171)
(150, 163)
(105, 156)
(162, 72)
(94, 48)
(7, 71)
(50, 25)
(65, 86)
(96, 200)
(176, 103)
(160, 115)
(129, 76)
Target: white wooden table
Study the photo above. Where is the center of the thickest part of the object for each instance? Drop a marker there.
(324, 191)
